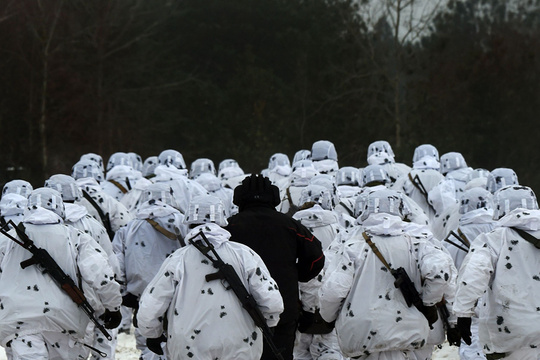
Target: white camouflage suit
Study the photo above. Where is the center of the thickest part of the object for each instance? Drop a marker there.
(504, 270)
(37, 318)
(373, 320)
(206, 320)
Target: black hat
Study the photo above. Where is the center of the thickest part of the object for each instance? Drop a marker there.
(256, 189)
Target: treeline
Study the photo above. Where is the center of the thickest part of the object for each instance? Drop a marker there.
(244, 79)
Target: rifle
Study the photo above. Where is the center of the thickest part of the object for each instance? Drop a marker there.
(42, 258)
(227, 272)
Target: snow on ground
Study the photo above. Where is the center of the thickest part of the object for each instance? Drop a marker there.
(126, 350)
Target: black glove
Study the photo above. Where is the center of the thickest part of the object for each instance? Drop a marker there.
(453, 336)
(154, 344)
(431, 314)
(111, 319)
(464, 327)
(130, 301)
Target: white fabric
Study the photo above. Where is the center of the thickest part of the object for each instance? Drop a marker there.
(118, 214)
(201, 313)
(505, 267)
(78, 217)
(324, 225)
(12, 204)
(31, 303)
(132, 199)
(428, 179)
(141, 249)
(371, 313)
(183, 188)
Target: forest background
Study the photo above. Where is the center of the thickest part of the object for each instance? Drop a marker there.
(245, 79)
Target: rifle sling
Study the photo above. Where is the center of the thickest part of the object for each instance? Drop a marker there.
(526, 236)
(376, 251)
(162, 230)
(119, 186)
(99, 210)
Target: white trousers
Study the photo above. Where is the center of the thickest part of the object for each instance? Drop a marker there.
(46, 346)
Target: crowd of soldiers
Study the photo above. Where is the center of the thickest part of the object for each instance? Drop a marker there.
(382, 262)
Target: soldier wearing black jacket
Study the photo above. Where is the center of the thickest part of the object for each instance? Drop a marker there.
(288, 249)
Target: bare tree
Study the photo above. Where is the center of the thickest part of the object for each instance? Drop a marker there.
(408, 21)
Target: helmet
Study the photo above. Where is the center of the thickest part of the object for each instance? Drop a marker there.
(380, 146)
(301, 155)
(66, 186)
(95, 158)
(501, 177)
(47, 198)
(425, 150)
(475, 198)
(317, 194)
(228, 163)
(452, 161)
(513, 197)
(20, 187)
(159, 191)
(278, 159)
(205, 209)
(256, 189)
(172, 157)
(119, 158)
(323, 150)
(201, 166)
(87, 168)
(149, 165)
(384, 201)
(374, 174)
(136, 161)
(329, 183)
(348, 175)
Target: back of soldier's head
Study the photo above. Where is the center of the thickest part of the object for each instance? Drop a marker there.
(66, 186)
(348, 175)
(513, 197)
(475, 198)
(172, 158)
(20, 187)
(323, 150)
(256, 190)
(205, 209)
(499, 178)
(48, 199)
(87, 169)
(384, 201)
(201, 166)
(452, 161)
(373, 175)
(316, 194)
(159, 191)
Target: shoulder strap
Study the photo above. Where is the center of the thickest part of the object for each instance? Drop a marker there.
(104, 218)
(167, 233)
(161, 229)
(526, 236)
(346, 208)
(376, 251)
(119, 186)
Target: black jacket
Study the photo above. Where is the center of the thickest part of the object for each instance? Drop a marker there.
(288, 249)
